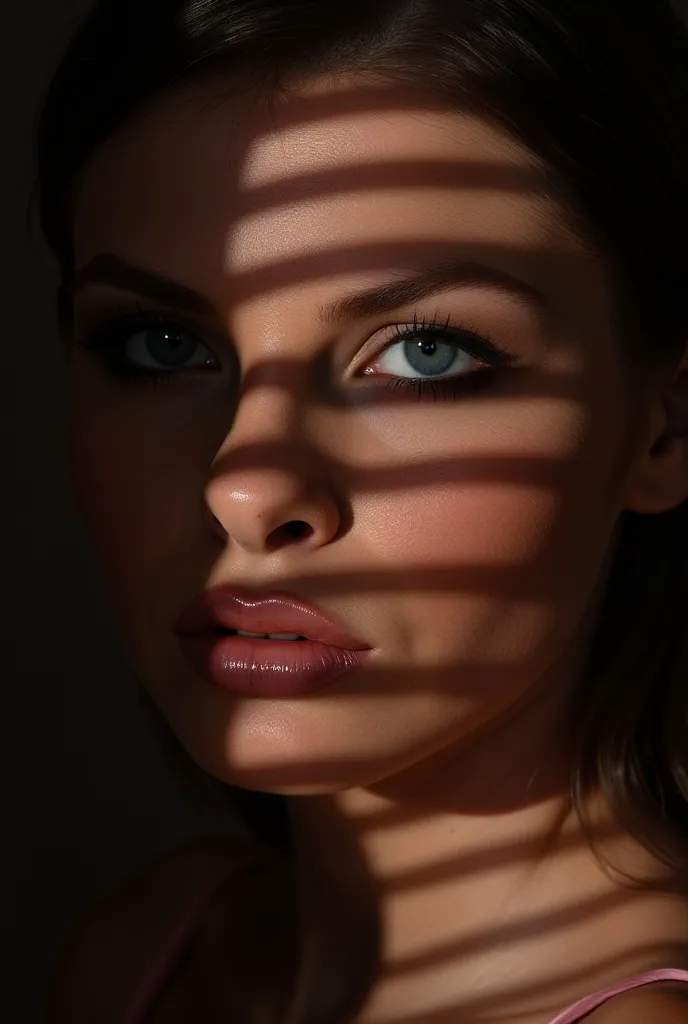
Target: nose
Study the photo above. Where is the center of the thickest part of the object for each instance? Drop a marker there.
(269, 489)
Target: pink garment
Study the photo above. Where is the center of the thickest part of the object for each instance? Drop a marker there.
(585, 1006)
(161, 974)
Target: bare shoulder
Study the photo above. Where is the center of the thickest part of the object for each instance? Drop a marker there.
(111, 945)
(664, 1003)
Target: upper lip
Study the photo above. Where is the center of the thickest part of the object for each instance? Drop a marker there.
(278, 612)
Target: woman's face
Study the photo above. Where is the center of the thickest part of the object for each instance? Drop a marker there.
(396, 342)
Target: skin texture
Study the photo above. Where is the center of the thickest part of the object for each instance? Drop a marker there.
(465, 539)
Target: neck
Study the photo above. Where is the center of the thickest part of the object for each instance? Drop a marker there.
(473, 878)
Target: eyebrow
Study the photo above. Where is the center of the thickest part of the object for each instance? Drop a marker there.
(116, 272)
(421, 284)
(107, 269)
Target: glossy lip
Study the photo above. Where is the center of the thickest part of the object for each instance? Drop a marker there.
(260, 667)
(277, 612)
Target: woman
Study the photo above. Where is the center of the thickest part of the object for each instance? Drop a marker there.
(397, 539)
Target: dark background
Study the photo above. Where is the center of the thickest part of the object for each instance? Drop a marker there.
(85, 798)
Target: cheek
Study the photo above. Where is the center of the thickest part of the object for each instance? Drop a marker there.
(490, 487)
(488, 577)
(135, 498)
(497, 540)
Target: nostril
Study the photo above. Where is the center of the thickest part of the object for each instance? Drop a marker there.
(298, 529)
(294, 530)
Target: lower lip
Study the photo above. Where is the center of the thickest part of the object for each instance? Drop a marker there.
(268, 668)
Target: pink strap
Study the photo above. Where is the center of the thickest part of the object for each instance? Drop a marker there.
(161, 973)
(593, 1002)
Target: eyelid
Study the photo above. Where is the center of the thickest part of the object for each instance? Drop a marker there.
(113, 332)
(97, 317)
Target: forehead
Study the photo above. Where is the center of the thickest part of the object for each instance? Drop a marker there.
(229, 192)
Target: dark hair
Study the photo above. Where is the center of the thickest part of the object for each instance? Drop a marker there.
(598, 90)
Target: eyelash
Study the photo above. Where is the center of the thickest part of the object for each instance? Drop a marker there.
(108, 341)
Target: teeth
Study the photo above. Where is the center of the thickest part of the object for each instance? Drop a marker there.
(269, 636)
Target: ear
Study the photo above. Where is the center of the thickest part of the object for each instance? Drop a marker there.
(660, 477)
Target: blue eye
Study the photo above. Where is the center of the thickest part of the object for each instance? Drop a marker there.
(164, 348)
(438, 360)
(426, 355)
(150, 347)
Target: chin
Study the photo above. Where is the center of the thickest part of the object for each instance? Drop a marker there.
(289, 780)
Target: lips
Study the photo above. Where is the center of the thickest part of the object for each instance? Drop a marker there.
(211, 634)
(232, 609)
